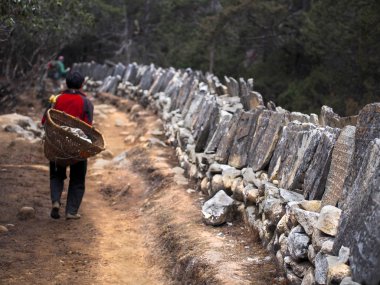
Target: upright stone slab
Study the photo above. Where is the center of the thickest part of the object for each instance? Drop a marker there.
(167, 77)
(119, 70)
(184, 92)
(316, 174)
(220, 89)
(224, 147)
(341, 158)
(157, 84)
(367, 129)
(359, 228)
(109, 84)
(175, 96)
(190, 96)
(221, 131)
(253, 100)
(331, 119)
(328, 117)
(131, 73)
(297, 116)
(232, 86)
(244, 133)
(205, 129)
(101, 72)
(172, 90)
(268, 132)
(147, 78)
(198, 116)
(141, 69)
(244, 91)
(193, 109)
(250, 99)
(293, 154)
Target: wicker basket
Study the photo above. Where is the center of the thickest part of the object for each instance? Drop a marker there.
(65, 148)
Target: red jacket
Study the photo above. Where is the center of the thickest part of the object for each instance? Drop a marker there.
(75, 103)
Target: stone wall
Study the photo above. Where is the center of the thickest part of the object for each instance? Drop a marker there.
(308, 186)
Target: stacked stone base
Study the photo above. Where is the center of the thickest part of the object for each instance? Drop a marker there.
(285, 172)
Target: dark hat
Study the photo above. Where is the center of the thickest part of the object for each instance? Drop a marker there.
(74, 80)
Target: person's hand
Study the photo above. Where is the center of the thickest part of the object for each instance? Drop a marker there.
(68, 69)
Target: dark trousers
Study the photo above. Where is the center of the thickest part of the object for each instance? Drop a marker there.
(76, 184)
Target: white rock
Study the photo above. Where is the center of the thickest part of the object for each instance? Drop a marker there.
(216, 184)
(311, 205)
(248, 175)
(252, 194)
(217, 210)
(327, 246)
(344, 254)
(107, 154)
(205, 185)
(26, 213)
(307, 220)
(282, 225)
(3, 229)
(130, 139)
(229, 175)
(329, 220)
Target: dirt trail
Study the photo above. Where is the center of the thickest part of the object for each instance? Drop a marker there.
(140, 222)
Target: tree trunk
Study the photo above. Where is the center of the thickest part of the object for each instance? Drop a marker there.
(211, 57)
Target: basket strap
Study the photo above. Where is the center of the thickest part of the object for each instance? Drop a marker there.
(88, 109)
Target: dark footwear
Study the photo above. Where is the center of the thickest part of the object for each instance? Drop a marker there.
(72, 216)
(55, 211)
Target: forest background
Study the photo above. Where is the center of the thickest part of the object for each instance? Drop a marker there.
(302, 54)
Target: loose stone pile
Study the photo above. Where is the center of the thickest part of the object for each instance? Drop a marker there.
(24, 126)
(307, 186)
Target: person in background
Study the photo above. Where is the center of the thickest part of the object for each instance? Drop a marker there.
(56, 71)
(62, 71)
(74, 102)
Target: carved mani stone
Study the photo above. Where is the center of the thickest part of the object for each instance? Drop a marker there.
(341, 158)
(293, 154)
(268, 132)
(359, 225)
(244, 133)
(316, 174)
(367, 129)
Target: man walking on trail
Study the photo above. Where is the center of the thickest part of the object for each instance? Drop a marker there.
(71, 101)
(57, 72)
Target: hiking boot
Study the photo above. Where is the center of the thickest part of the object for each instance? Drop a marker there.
(55, 210)
(72, 216)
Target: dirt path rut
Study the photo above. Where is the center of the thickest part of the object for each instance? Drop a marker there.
(140, 222)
